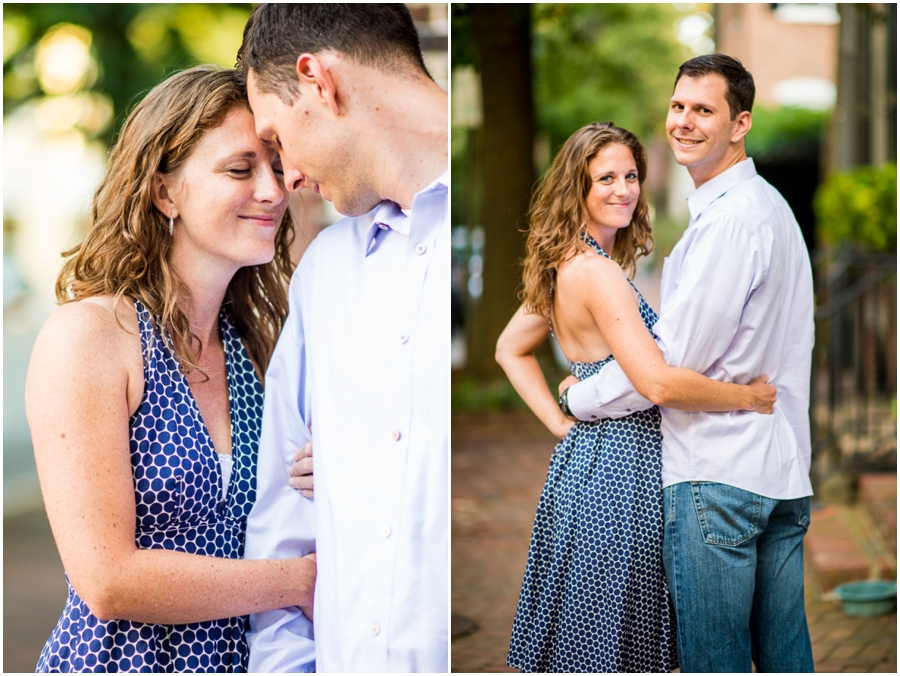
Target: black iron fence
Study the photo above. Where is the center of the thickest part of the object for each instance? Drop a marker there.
(853, 407)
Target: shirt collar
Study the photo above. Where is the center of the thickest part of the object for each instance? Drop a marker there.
(389, 216)
(442, 180)
(717, 186)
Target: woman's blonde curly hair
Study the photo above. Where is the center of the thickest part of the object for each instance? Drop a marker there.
(558, 216)
(125, 250)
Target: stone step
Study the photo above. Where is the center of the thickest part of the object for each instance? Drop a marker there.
(877, 493)
(843, 544)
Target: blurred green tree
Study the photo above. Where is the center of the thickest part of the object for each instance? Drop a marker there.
(859, 207)
(132, 47)
(604, 62)
(586, 62)
(501, 46)
(784, 128)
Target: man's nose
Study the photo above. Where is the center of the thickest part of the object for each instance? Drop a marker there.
(685, 119)
(293, 178)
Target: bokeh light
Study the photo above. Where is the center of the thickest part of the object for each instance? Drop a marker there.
(16, 32)
(63, 60)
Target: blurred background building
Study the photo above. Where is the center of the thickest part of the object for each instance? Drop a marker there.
(71, 74)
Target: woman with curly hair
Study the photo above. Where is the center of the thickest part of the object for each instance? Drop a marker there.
(594, 597)
(144, 392)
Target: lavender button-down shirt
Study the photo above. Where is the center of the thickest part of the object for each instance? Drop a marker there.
(363, 362)
(736, 302)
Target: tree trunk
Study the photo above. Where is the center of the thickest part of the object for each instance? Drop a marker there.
(502, 36)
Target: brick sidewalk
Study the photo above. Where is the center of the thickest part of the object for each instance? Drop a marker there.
(499, 463)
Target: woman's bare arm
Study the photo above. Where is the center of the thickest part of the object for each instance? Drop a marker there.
(610, 300)
(78, 410)
(515, 354)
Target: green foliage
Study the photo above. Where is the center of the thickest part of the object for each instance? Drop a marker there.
(471, 395)
(462, 47)
(859, 207)
(604, 62)
(776, 130)
(134, 46)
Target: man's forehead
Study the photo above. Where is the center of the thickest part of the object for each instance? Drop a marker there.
(708, 87)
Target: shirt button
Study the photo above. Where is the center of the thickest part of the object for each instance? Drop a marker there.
(421, 248)
(404, 338)
(628, 409)
(386, 532)
(395, 435)
(383, 226)
(374, 630)
(593, 417)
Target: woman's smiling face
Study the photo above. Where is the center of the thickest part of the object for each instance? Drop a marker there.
(615, 188)
(229, 196)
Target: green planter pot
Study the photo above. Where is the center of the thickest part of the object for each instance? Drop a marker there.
(875, 597)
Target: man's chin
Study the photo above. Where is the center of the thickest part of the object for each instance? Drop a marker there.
(354, 207)
(682, 157)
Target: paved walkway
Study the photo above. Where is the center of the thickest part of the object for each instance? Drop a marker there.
(499, 465)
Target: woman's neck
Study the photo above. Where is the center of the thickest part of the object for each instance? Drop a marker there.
(206, 291)
(605, 237)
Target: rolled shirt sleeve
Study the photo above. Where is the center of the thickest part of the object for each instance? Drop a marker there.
(703, 297)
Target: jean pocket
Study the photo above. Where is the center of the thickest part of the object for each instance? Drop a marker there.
(804, 513)
(728, 515)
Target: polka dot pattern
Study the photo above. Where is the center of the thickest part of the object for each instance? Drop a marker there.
(594, 598)
(177, 480)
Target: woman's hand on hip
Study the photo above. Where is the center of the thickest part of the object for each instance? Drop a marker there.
(566, 384)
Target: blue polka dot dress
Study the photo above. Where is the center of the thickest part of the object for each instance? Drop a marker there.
(180, 506)
(594, 597)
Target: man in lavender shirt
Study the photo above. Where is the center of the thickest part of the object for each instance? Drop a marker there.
(736, 301)
(341, 91)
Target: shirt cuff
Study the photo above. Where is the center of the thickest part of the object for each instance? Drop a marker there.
(581, 402)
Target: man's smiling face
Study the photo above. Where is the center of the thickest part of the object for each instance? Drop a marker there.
(699, 126)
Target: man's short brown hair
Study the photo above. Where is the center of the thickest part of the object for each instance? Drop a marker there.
(378, 35)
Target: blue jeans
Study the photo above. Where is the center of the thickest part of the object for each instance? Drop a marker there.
(734, 564)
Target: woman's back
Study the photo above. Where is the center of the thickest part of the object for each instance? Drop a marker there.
(578, 280)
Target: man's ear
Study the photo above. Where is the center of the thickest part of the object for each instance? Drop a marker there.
(162, 200)
(742, 124)
(315, 73)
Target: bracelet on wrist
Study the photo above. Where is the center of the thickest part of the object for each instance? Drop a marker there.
(564, 403)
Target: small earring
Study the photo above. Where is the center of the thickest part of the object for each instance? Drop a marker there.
(171, 226)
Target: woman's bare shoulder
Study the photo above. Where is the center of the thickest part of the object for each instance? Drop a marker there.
(589, 267)
(95, 326)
